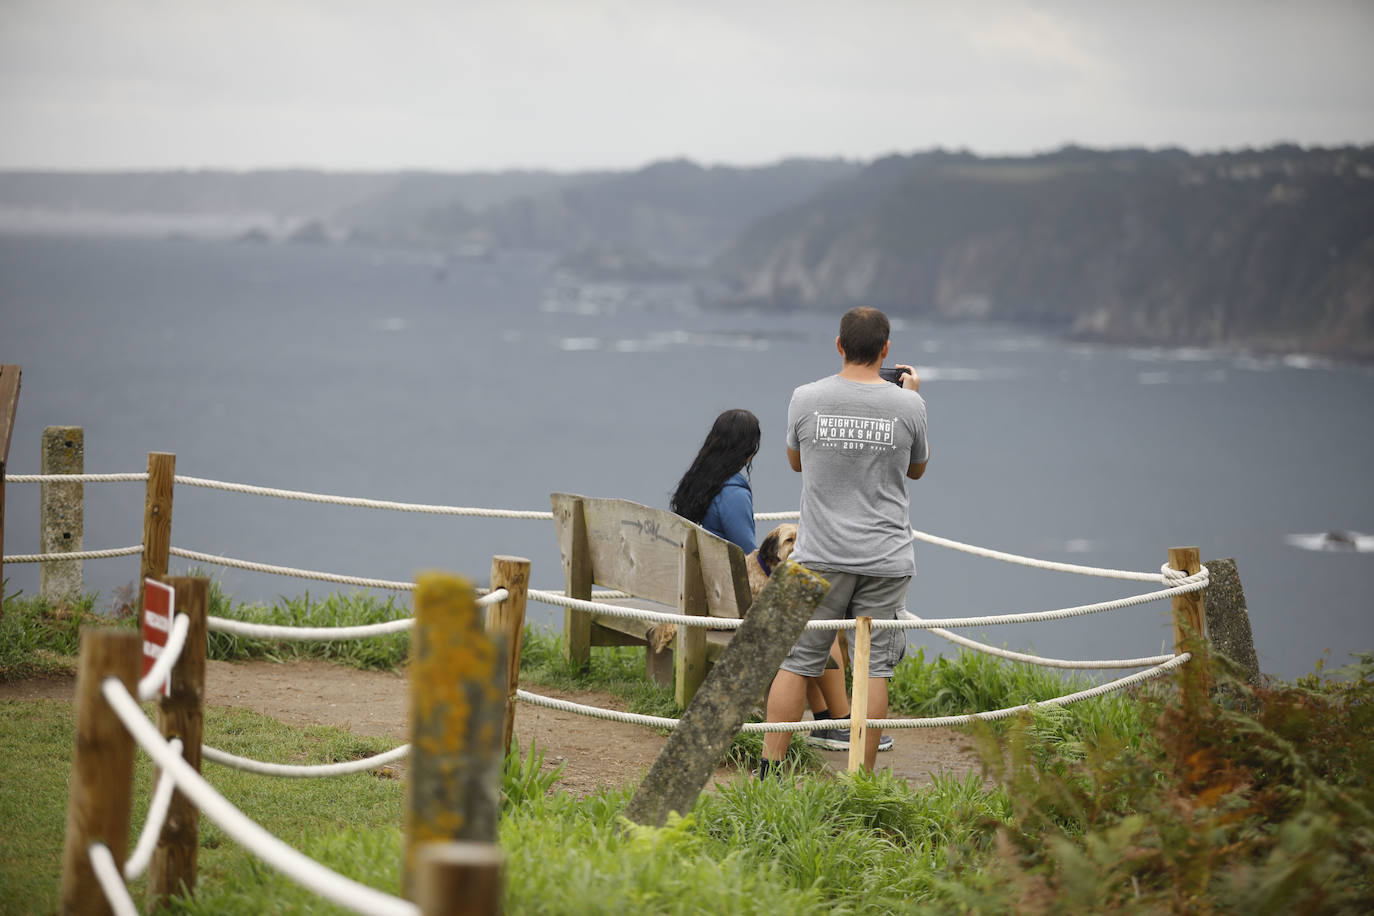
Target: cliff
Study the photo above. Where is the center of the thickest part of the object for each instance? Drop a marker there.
(1269, 249)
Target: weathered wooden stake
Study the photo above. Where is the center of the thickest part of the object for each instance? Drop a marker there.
(507, 618)
(1190, 633)
(689, 653)
(102, 767)
(64, 452)
(577, 583)
(9, 403)
(710, 723)
(180, 715)
(858, 700)
(457, 712)
(458, 879)
(157, 518)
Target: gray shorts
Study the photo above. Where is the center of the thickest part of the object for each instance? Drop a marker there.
(852, 595)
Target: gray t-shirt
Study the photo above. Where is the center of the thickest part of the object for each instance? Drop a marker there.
(856, 442)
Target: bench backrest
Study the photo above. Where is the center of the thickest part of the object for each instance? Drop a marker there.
(649, 553)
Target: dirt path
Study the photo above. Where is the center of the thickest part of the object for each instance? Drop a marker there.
(594, 752)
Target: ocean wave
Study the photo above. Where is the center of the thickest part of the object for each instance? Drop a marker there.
(1334, 541)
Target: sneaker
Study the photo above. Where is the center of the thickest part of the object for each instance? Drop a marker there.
(832, 739)
(837, 739)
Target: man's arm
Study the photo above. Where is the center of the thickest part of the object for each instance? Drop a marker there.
(915, 470)
(794, 459)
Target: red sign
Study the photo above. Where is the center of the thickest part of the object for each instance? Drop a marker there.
(159, 604)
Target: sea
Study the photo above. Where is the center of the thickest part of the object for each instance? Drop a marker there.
(491, 380)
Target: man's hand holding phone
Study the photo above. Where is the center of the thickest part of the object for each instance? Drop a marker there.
(902, 375)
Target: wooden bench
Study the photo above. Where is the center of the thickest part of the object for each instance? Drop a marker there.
(665, 563)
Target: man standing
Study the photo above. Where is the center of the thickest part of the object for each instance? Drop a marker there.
(856, 439)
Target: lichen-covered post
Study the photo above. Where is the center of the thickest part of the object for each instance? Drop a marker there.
(157, 518)
(181, 715)
(457, 712)
(858, 702)
(102, 767)
(64, 452)
(507, 618)
(1190, 633)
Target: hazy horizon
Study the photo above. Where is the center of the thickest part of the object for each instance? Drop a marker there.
(613, 85)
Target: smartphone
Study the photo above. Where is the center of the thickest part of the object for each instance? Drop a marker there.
(892, 374)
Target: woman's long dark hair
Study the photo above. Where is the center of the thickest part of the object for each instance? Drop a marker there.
(729, 446)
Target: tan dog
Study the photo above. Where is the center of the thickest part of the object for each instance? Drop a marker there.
(774, 548)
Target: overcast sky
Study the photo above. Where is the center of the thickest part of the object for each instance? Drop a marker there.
(578, 84)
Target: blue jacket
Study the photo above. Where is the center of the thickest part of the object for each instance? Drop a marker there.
(731, 513)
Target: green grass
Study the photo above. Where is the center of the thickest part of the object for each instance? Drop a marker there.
(35, 760)
(1260, 802)
(39, 637)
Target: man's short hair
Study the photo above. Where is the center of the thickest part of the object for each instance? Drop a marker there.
(863, 332)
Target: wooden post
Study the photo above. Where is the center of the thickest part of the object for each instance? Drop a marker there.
(102, 767)
(157, 518)
(508, 619)
(180, 715)
(858, 700)
(64, 452)
(457, 711)
(1189, 631)
(458, 879)
(577, 583)
(9, 403)
(689, 653)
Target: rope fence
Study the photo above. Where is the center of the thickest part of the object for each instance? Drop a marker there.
(297, 866)
(178, 775)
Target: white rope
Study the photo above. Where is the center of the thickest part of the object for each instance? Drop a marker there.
(151, 683)
(613, 715)
(1187, 584)
(363, 503)
(152, 827)
(74, 555)
(273, 631)
(75, 478)
(111, 882)
(305, 634)
(1032, 562)
(777, 516)
(248, 764)
(1041, 660)
(989, 716)
(631, 613)
(295, 865)
(290, 571)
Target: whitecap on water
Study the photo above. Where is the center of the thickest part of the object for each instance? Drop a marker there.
(579, 343)
(391, 324)
(1335, 540)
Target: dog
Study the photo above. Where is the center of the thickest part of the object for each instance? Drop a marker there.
(774, 548)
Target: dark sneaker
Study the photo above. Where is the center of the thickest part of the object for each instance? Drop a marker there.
(837, 739)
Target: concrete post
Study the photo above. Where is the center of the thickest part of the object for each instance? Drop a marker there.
(1228, 621)
(64, 452)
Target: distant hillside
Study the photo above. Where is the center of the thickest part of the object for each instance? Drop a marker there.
(1271, 249)
(672, 211)
(675, 211)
